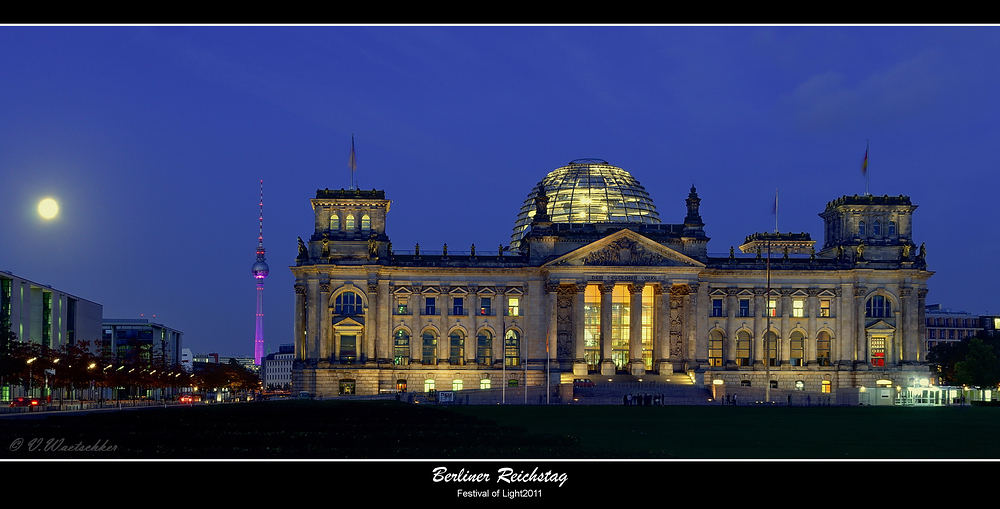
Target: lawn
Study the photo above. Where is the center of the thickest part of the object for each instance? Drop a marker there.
(390, 430)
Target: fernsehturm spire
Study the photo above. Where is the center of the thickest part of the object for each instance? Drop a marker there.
(259, 273)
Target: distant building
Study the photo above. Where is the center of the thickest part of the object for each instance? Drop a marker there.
(946, 325)
(138, 340)
(276, 370)
(187, 360)
(43, 315)
(249, 363)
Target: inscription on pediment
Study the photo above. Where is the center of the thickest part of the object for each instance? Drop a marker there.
(625, 251)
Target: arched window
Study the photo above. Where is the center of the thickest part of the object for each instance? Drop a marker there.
(823, 348)
(878, 307)
(512, 348)
(334, 221)
(742, 348)
(715, 348)
(892, 228)
(877, 228)
(348, 303)
(457, 351)
(861, 228)
(771, 347)
(430, 342)
(366, 223)
(349, 223)
(401, 348)
(796, 348)
(484, 348)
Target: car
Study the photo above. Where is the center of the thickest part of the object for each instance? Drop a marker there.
(583, 382)
(25, 402)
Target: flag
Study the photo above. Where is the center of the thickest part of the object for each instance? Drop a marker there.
(864, 164)
(774, 208)
(353, 162)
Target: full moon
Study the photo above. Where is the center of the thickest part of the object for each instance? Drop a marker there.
(48, 208)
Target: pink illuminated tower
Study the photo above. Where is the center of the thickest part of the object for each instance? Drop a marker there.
(259, 273)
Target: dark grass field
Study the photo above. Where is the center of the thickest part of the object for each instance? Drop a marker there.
(390, 430)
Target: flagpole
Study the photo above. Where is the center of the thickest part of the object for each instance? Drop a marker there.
(353, 162)
(864, 167)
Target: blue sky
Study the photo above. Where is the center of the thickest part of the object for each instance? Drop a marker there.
(154, 140)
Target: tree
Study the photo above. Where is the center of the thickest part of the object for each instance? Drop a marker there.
(980, 367)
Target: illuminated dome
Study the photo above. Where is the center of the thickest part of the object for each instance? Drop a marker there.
(588, 191)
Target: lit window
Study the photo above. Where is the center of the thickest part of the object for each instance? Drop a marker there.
(512, 348)
(334, 222)
(428, 385)
(715, 341)
(401, 307)
(824, 308)
(772, 307)
(456, 385)
(401, 348)
(347, 386)
(366, 224)
(798, 308)
(716, 307)
(513, 307)
(826, 386)
(800, 385)
(742, 348)
(401, 385)
(349, 223)
(486, 306)
(484, 383)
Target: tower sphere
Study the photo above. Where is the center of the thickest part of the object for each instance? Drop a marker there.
(259, 269)
(588, 191)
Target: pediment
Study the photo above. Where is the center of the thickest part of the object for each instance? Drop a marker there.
(348, 321)
(880, 325)
(625, 248)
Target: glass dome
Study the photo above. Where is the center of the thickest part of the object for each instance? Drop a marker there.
(588, 191)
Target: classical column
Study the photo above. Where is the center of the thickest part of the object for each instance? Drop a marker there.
(370, 337)
(607, 364)
(786, 313)
(579, 330)
(315, 347)
(552, 332)
(636, 366)
(325, 323)
(921, 330)
(661, 324)
(299, 333)
(728, 355)
(760, 302)
(861, 336)
(811, 330)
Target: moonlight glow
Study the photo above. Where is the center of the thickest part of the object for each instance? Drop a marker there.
(48, 208)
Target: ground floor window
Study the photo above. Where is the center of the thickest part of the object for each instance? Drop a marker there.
(347, 386)
(800, 385)
(774, 384)
(484, 383)
(825, 386)
(512, 383)
(512, 348)
(744, 383)
(401, 385)
(715, 348)
(456, 385)
(428, 385)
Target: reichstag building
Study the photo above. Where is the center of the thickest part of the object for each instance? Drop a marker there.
(595, 284)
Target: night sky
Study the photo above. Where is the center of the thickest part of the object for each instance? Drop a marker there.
(154, 141)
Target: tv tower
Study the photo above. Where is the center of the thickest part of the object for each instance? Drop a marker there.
(259, 270)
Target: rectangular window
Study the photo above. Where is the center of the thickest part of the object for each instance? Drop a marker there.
(513, 307)
(348, 349)
(458, 306)
(486, 306)
(716, 307)
(401, 307)
(456, 385)
(798, 308)
(772, 307)
(744, 308)
(824, 308)
(429, 304)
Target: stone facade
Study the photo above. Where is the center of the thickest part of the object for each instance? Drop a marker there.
(614, 297)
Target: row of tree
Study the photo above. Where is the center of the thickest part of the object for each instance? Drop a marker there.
(972, 362)
(82, 370)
